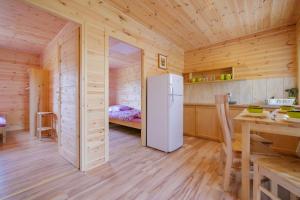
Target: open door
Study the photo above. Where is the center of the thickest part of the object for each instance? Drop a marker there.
(69, 97)
(38, 95)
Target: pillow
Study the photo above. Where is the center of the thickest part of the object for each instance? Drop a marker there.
(124, 108)
(2, 121)
(116, 108)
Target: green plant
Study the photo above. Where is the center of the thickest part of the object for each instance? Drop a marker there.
(293, 93)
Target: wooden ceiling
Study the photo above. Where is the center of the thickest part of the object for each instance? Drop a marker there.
(26, 28)
(122, 54)
(199, 23)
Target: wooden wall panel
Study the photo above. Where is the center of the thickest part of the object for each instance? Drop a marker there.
(99, 19)
(298, 55)
(61, 58)
(14, 84)
(95, 96)
(125, 85)
(269, 54)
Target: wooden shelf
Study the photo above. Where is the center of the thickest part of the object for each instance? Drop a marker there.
(215, 81)
(214, 74)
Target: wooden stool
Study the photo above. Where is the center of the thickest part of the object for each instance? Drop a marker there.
(40, 127)
(3, 124)
(280, 171)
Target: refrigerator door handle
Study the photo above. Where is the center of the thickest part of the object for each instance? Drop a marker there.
(172, 94)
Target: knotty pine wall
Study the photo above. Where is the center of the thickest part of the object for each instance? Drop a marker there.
(14, 83)
(125, 86)
(268, 54)
(298, 55)
(99, 21)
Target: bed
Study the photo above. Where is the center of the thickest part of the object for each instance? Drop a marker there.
(125, 116)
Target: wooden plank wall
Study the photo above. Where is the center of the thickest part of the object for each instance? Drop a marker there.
(14, 83)
(268, 54)
(125, 85)
(298, 56)
(95, 96)
(61, 58)
(99, 20)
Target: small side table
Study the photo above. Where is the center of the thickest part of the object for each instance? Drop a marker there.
(40, 127)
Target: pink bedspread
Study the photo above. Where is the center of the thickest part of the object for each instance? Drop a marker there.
(127, 115)
(2, 121)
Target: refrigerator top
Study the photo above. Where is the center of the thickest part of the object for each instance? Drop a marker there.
(173, 82)
(167, 75)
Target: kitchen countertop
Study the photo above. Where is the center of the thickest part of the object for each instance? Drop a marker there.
(230, 105)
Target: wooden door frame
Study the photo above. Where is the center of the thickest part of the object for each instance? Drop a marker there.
(109, 34)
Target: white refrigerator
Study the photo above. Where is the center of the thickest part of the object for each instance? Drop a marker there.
(165, 112)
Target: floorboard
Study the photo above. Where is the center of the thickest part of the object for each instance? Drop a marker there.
(137, 172)
(26, 161)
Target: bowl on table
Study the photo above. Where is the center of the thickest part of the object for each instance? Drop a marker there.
(294, 114)
(284, 109)
(255, 109)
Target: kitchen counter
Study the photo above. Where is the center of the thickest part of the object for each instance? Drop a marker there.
(201, 120)
(230, 105)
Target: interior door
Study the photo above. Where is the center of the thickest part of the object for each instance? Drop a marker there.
(69, 98)
(38, 95)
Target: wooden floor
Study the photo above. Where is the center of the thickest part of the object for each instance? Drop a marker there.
(26, 162)
(134, 172)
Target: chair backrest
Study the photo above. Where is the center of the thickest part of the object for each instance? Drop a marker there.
(227, 113)
(220, 101)
(298, 150)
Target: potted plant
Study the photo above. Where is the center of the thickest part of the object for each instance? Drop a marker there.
(293, 93)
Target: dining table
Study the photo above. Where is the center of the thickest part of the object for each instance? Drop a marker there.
(273, 123)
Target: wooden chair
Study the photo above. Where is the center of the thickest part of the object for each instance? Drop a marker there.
(225, 100)
(298, 150)
(279, 171)
(232, 146)
(3, 125)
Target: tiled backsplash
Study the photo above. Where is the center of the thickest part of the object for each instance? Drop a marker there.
(243, 91)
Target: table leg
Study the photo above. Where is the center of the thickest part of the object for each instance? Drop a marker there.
(245, 161)
(39, 127)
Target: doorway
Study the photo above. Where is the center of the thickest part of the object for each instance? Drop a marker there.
(125, 95)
